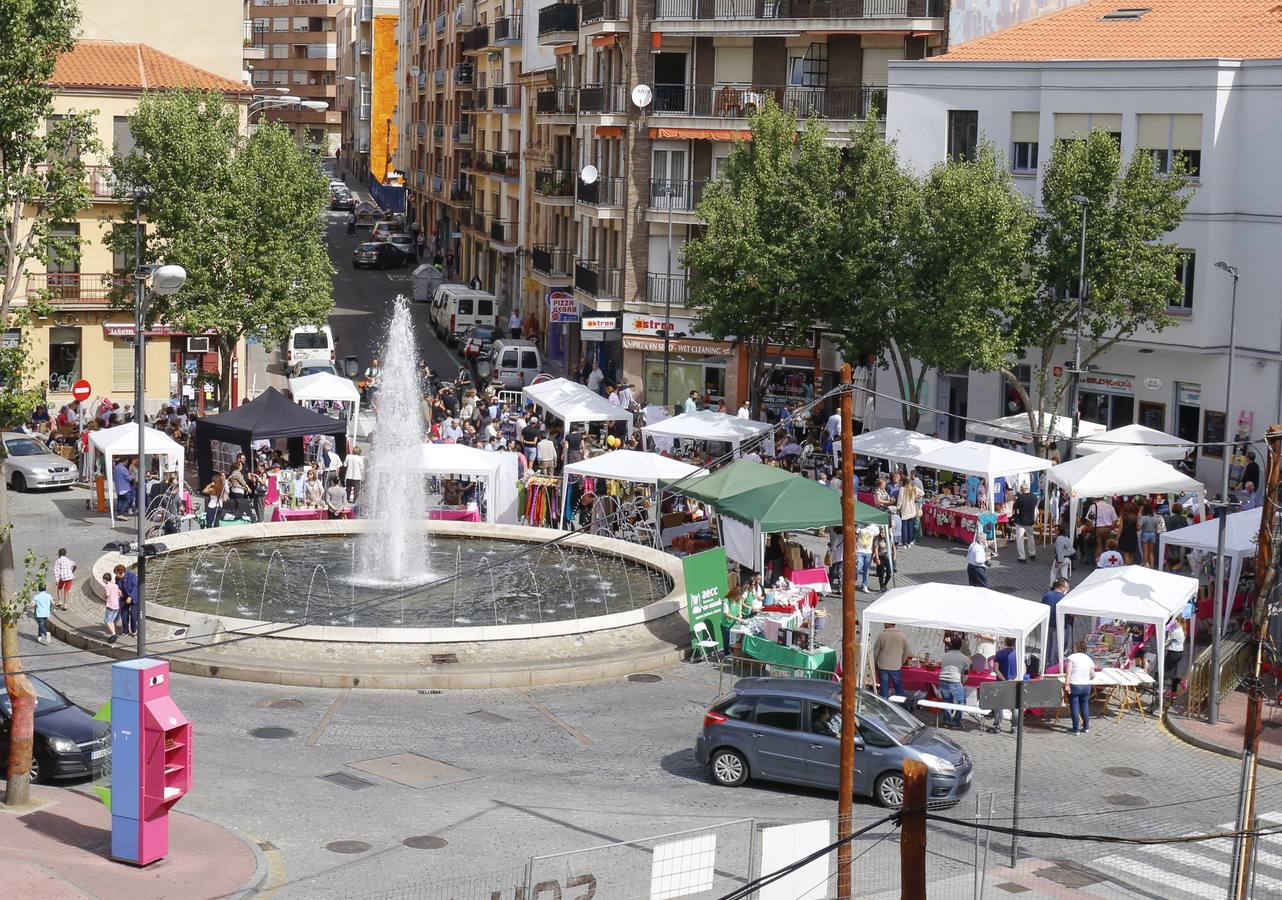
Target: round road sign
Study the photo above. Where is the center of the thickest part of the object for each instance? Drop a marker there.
(81, 390)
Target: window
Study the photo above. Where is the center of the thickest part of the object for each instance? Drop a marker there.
(122, 136)
(810, 70)
(64, 358)
(963, 133)
(733, 65)
(299, 77)
(122, 366)
(280, 76)
(300, 23)
(740, 708)
(280, 23)
(67, 152)
(1169, 137)
(260, 76)
(1024, 373)
(122, 247)
(65, 259)
(464, 306)
(1184, 270)
(280, 51)
(529, 359)
(872, 735)
(1076, 126)
(779, 712)
(825, 720)
(1023, 142)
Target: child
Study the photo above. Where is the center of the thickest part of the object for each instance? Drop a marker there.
(64, 572)
(43, 602)
(111, 612)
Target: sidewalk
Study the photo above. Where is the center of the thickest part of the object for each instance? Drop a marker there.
(62, 848)
(1225, 737)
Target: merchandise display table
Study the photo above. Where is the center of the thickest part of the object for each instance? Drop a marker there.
(282, 514)
(957, 523)
(454, 515)
(918, 678)
(822, 659)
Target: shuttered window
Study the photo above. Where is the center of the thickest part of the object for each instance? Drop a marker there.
(1169, 136)
(1023, 141)
(122, 367)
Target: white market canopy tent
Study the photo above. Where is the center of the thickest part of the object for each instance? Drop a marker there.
(325, 387)
(986, 461)
(1131, 594)
(1015, 428)
(1122, 472)
(894, 444)
(959, 608)
(497, 469)
(1157, 444)
(123, 441)
(629, 465)
(573, 403)
(1241, 537)
(707, 425)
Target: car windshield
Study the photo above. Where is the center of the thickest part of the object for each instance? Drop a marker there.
(25, 447)
(47, 699)
(314, 369)
(903, 727)
(483, 334)
(310, 340)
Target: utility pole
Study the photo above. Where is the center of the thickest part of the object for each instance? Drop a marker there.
(849, 646)
(1267, 556)
(140, 420)
(912, 841)
(1221, 569)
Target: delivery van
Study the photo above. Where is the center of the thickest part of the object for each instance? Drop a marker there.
(457, 307)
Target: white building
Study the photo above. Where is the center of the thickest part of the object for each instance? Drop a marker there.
(1199, 76)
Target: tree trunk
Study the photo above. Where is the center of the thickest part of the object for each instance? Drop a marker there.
(22, 697)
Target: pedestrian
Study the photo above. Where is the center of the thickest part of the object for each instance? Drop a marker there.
(732, 613)
(1148, 525)
(863, 553)
(881, 562)
(333, 464)
(215, 495)
(1006, 661)
(890, 652)
(43, 604)
(475, 283)
(743, 412)
(596, 378)
(977, 561)
(64, 572)
(1105, 517)
(354, 474)
(1110, 558)
(237, 486)
(1173, 663)
(1025, 518)
(1051, 598)
(111, 605)
(351, 222)
(952, 669)
(1062, 564)
(545, 452)
(127, 581)
(514, 324)
(908, 504)
(692, 402)
(123, 483)
(1077, 686)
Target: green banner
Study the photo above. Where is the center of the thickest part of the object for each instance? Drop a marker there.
(706, 588)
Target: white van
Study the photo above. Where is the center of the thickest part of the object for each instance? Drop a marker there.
(456, 308)
(307, 343)
(514, 364)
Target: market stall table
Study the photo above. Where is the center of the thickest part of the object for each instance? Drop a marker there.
(1125, 684)
(821, 659)
(919, 678)
(454, 515)
(957, 523)
(284, 514)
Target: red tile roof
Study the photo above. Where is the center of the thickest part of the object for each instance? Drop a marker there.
(1169, 29)
(119, 65)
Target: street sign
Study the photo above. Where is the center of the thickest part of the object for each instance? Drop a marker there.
(81, 390)
(999, 695)
(599, 323)
(562, 308)
(541, 378)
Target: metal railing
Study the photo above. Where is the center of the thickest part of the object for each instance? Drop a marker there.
(554, 182)
(603, 98)
(477, 38)
(365, 48)
(464, 74)
(367, 12)
(507, 30)
(437, 184)
(661, 287)
(421, 129)
(438, 77)
(422, 30)
(504, 165)
(678, 195)
(591, 11)
(552, 260)
(76, 286)
(730, 102)
(460, 191)
(590, 278)
(438, 131)
(1237, 661)
(558, 17)
(505, 96)
(799, 9)
(440, 23)
(602, 192)
(478, 221)
(420, 177)
(732, 668)
(554, 101)
(363, 112)
(462, 135)
(502, 231)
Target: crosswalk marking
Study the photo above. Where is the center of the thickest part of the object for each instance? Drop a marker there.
(1158, 877)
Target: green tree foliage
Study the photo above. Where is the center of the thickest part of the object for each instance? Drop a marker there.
(244, 217)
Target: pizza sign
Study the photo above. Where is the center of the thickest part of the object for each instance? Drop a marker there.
(562, 307)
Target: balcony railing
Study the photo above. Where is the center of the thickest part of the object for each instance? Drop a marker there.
(729, 102)
(797, 9)
(460, 191)
(76, 286)
(603, 98)
(438, 131)
(602, 192)
(365, 48)
(363, 112)
(553, 101)
(420, 178)
(462, 135)
(476, 39)
(554, 182)
(422, 30)
(559, 17)
(439, 77)
(437, 184)
(661, 287)
(504, 165)
(507, 30)
(502, 231)
(552, 260)
(481, 99)
(422, 78)
(464, 73)
(505, 96)
(592, 11)
(422, 130)
(678, 196)
(367, 11)
(479, 222)
(590, 278)
(440, 23)
(102, 183)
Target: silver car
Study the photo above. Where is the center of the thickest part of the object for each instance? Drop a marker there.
(29, 463)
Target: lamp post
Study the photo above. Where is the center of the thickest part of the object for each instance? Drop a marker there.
(1077, 329)
(1217, 614)
(667, 294)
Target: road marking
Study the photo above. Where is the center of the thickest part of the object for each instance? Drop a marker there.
(554, 719)
(1157, 876)
(329, 715)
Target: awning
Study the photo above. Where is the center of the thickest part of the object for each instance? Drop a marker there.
(605, 40)
(701, 134)
(609, 131)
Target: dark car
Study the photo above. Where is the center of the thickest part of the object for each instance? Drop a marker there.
(379, 255)
(341, 199)
(69, 742)
(476, 342)
(788, 729)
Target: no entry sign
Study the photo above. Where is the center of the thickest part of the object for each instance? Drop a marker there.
(81, 390)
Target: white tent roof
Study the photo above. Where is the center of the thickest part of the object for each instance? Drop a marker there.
(1127, 470)
(573, 402)
(1129, 593)
(960, 608)
(324, 386)
(707, 425)
(896, 444)
(984, 460)
(1241, 533)
(633, 465)
(458, 459)
(1015, 428)
(122, 440)
(1157, 444)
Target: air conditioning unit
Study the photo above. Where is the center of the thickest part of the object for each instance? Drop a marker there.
(197, 345)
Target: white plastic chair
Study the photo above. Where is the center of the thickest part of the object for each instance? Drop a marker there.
(704, 641)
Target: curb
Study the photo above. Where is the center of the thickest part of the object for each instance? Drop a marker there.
(1211, 746)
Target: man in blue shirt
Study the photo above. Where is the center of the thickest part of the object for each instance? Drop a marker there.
(123, 483)
(1006, 661)
(1051, 598)
(128, 583)
(43, 601)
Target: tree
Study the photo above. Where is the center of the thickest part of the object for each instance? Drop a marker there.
(1130, 272)
(753, 270)
(244, 217)
(42, 184)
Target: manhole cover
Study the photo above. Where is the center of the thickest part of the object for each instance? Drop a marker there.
(266, 846)
(351, 782)
(1123, 772)
(444, 659)
(1126, 800)
(1069, 875)
(285, 703)
(272, 733)
(1012, 887)
(347, 846)
(644, 678)
(492, 718)
(425, 842)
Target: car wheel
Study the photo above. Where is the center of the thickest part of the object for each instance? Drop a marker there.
(36, 768)
(19, 483)
(889, 790)
(728, 767)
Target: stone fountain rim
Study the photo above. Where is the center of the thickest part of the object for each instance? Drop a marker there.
(666, 563)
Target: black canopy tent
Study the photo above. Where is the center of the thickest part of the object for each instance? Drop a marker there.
(269, 416)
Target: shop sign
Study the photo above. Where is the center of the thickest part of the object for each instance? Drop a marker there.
(697, 348)
(1106, 383)
(653, 326)
(562, 308)
(1189, 394)
(706, 587)
(599, 323)
(126, 330)
(11, 339)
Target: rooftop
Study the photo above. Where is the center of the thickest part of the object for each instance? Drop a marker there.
(128, 66)
(1136, 29)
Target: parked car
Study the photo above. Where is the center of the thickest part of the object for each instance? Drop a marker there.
(406, 244)
(476, 342)
(788, 729)
(379, 255)
(341, 198)
(69, 742)
(308, 343)
(457, 307)
(385, 229)
(312, 367)
(29, 463)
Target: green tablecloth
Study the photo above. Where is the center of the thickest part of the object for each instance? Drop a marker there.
(821, 660)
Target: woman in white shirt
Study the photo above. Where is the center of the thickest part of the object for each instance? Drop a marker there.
(1078, 669)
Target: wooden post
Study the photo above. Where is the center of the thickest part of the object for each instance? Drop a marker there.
(912, 835)
(849, 646)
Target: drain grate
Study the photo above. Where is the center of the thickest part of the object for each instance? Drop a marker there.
(272, 733)
(421, 691)
(285, 703)
(1123, 772)
(644, 678)
(492, 718)
(444, 659)
(425, 842)
(347, 846)
(1126, 800)
(351, 782)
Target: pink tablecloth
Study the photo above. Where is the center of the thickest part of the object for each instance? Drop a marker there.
(454, 515)
(296, 515)
(954, 524)
(919, 679)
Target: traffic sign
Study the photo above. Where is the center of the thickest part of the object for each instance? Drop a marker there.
(81, 390)
(541, 378)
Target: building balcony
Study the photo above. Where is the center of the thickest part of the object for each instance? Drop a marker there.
(505, 97)
(367, 11)
(362, 112)
(558, 24)
(438, 77)
(438, 133)
(552, 261)
(310, 36)
(421, 130)
(365, 48)
(480, 100)
(554, 187)
(304, 116)
(557, 102)
(475, 40)
(678, 196)
(422, 31)
(724, 102)
(503, 233)
(76, 287)
(440, 23)
(603, 99)
(695, 17)
(507, 32)
(438, 186)
(662, 289)
(604, 192)
(464, 74)
(597, 16)
(462, 135)
(420, 179)
(504, 166)
(597, 282)
(461, 192)
(422, 78)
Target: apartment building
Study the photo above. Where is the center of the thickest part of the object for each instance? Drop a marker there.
(167, 25)
(369, 89)
(1195, 78)
(296, 45)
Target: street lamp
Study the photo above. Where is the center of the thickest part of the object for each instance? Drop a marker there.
(1077, 329)
(1226, 451)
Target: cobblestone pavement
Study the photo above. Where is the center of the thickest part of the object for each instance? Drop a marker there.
(564, 768)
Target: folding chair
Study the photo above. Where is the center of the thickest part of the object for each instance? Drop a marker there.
(704, 641)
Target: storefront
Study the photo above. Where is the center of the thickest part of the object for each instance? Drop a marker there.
(1107, 398)
(694, 363)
